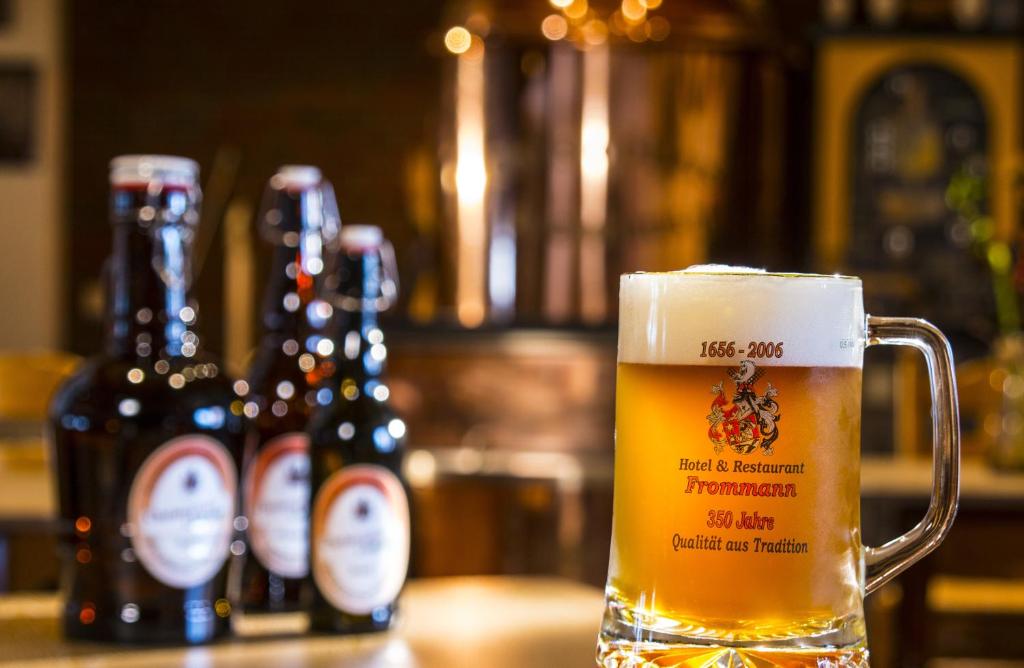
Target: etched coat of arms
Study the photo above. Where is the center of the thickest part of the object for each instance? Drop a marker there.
(747, 421)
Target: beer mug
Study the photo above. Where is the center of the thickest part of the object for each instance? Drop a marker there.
(736, 529)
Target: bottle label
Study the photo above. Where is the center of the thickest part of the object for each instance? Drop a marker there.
(180, 510)
(277, 505)
(360, 538)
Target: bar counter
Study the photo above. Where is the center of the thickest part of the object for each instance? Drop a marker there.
(472, 621)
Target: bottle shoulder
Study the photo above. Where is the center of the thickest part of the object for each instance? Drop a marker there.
(95, 374)
(367, 431)
(271, 365)
(363, 410)
(143, 389)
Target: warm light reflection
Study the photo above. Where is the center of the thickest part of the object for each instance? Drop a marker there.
(475, 51)
(637, 32)
(594, 135)
(595, 32)
(458, 40)
(633, 10)
(470, 189)
(554, 27)
(576, 9)
(589, 26)
(420, 468)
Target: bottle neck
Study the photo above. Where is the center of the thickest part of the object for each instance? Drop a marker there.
(149, 310)
(293, 220)
(359, 350)
(289, 293)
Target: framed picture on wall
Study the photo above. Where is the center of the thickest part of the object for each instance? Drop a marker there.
(18, 113)
(899, 121)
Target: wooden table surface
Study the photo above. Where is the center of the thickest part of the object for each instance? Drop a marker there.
(496, 622)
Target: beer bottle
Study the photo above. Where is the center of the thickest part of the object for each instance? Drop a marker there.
(360, 511)
(299, 218)
(147, 436)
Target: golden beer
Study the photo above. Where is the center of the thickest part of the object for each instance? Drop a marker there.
(714, 560)
(736, 528)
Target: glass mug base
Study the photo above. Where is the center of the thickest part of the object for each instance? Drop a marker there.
(656, 655)
(627, 641)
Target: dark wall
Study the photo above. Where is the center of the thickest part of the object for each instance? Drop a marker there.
(356, 88)
(317, 81)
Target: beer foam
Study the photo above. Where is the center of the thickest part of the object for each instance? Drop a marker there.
(665, 318)
(719, 269)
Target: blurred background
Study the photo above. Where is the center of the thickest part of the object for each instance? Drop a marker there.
(521, 154)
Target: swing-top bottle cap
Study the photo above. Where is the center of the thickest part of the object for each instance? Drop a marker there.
(141, 169)
(296, 176)
(361, 237)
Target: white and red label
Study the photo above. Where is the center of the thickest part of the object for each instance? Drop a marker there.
(360, 538)
(180, 510)
(277, 505)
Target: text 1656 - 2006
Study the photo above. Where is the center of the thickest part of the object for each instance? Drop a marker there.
(753, 350)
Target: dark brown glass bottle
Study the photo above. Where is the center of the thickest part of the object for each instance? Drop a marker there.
(299, 218)
(359, 531)
(147, 436)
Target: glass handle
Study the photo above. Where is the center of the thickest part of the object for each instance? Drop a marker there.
(886, 562)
